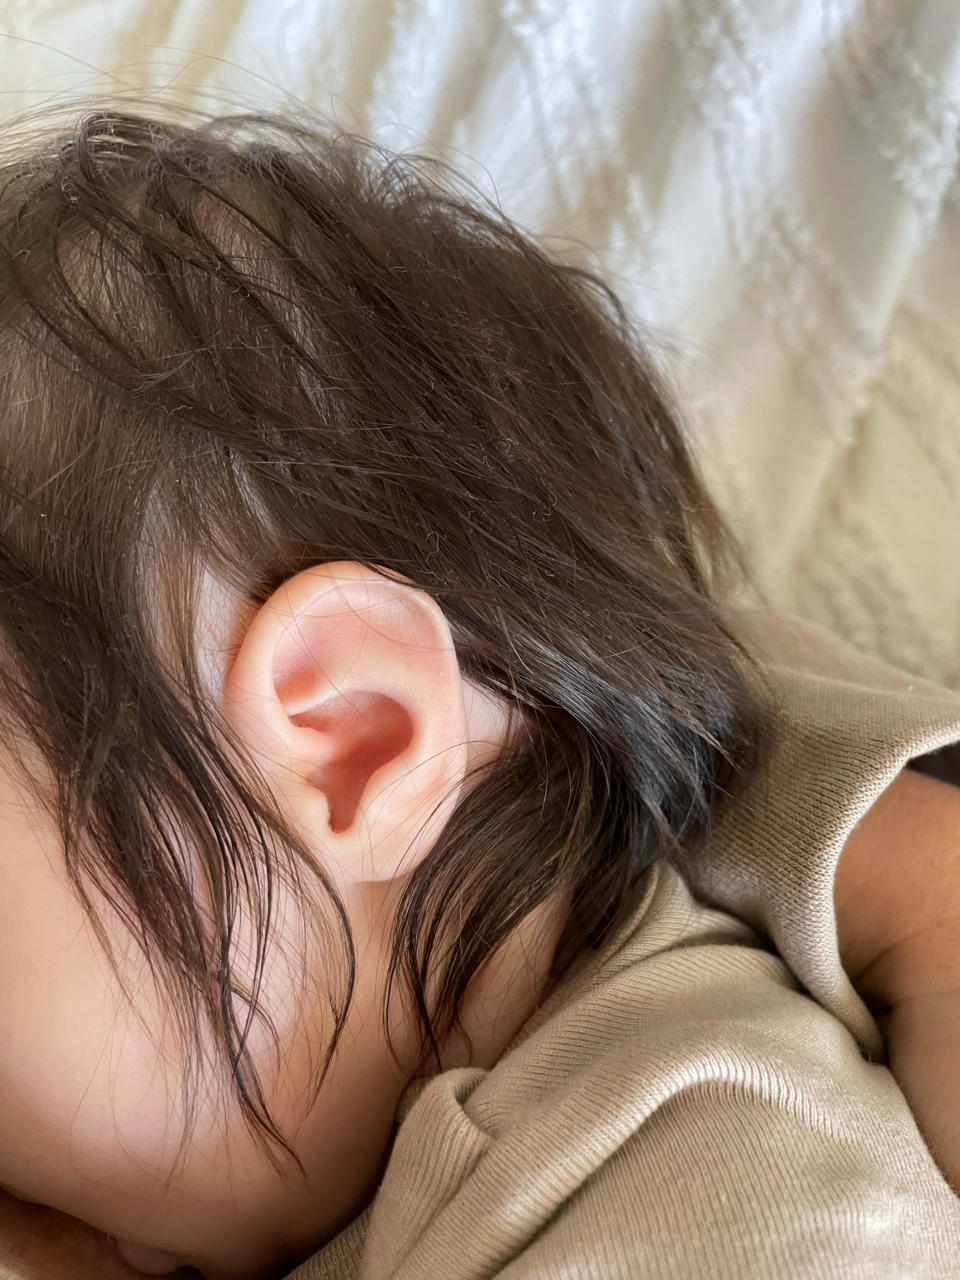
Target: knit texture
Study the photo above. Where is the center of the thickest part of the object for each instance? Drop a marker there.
(693, 1102)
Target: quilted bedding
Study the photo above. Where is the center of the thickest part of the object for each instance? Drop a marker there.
(773, 186)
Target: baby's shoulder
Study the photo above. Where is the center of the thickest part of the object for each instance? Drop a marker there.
(914, 823)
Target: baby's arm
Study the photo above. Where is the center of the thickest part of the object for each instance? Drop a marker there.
(897, 894)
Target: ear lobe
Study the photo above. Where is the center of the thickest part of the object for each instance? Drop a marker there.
(347, 689)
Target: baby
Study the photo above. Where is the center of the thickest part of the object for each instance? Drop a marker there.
(365, 662)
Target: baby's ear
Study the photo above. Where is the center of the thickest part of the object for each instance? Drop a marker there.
(347, 691)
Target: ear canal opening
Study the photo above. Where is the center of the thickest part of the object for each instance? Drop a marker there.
(369, 730)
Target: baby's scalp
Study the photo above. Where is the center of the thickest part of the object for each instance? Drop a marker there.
(237, 348)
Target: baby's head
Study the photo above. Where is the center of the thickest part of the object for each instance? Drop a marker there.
(363, 644)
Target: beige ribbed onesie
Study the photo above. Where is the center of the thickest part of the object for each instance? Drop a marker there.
(693, 1104)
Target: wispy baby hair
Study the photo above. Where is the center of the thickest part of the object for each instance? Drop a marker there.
(234, 347)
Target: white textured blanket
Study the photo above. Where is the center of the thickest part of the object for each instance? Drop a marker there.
(772, 183)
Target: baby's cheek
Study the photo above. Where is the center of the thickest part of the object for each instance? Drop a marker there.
(91, 1104)
(105, 1155)
(91, 1093)
(77, 1072)
(83, 1084)
(91, 1117)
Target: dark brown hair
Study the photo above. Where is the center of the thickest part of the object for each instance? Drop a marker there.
(242, 345)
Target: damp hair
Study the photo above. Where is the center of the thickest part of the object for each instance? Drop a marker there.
(241, 345)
